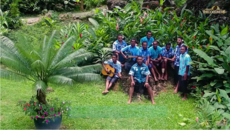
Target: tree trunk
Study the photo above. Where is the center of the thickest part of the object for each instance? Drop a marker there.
(82, 3)
(41, 97)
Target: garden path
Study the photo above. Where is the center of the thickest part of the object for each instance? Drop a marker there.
(75, 15)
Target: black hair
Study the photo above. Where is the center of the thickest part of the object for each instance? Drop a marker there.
(184, 47)
(156, 41)
(134, 39)
(114, 55)
(168, 44)
(139, 56)
(119, 35)
(144, 42)
(182, 40)
(149, 32)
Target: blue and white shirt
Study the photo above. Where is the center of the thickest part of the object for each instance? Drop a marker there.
(149, 41)
(166, 53)
(116, 66)
(134, 50)
(144, 53)
(177, 54)
(118, 46)
(139, 73)
(185, 60)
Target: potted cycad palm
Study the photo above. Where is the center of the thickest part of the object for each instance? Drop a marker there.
(43, 66)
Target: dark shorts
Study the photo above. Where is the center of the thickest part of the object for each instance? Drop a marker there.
(176, 76)
(169, 63)
(154, 64)
(112, 79)
(183, 84)
(139, 87)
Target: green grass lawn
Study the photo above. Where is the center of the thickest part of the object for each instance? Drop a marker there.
(166, 114)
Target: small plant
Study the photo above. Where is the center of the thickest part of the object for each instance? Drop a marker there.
(53, 108)
(49, 22)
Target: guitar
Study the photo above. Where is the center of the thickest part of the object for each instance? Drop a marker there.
(110, 69)
(129, 56)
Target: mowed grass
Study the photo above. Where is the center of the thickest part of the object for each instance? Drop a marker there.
(89, 95)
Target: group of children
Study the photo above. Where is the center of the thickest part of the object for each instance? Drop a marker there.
(146, 60)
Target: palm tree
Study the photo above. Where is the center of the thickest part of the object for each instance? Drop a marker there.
(46, 65)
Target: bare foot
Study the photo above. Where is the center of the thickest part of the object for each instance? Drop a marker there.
(104, 92)
(129, 102)
(153, 102)
(175, 91)
(166, 77)
(159, 78)
(184, 98)
(156, 79)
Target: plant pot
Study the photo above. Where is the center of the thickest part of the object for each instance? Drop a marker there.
(41, 123)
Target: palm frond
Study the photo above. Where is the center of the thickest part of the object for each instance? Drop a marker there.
(84, 69)
(59, 79)
(14, 64)
(61, 53)
(47, 50)
(85, 77)
(9, 46)
(77, 56)
(8, 74)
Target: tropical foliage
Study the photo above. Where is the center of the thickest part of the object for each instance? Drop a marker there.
(46, 65)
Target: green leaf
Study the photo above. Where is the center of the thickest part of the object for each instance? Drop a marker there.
(219, 70)
(204, 56)
(217, 95)
(94, 22)
(214, 47)
(182, 124)
(161, 2)
(211, 35)
(224, 31)
(208, 94)
(213, 83)
(226, 115)
(224, 94)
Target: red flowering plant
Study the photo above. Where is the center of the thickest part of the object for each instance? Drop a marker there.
(53, 108)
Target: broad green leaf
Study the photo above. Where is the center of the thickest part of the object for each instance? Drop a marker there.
(224, 31)
(204, 56)
(224, 94)
(218, 105)
(227, 85)
(213, 83)
(211, 35)
(219, 70)
(226, 115)
(208, 94)
(94, 22)
(214, 47)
